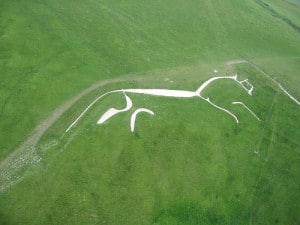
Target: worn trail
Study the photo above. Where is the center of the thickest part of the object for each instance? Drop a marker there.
(25, 154)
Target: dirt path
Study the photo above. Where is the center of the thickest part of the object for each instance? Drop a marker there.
(233, 62)
(25, 154)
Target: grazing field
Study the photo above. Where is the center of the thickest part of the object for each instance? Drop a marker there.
(190, 162)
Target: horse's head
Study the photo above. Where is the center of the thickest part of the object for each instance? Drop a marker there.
(245, 84)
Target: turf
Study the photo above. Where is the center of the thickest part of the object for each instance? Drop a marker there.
(190, 163)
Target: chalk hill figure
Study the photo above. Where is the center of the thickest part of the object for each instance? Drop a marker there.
(245, 84)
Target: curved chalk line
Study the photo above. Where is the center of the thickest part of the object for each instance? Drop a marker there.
(225, 110)
(112, 111)
(86, 109)
(246, 107)
(166, 93)
(134, 115)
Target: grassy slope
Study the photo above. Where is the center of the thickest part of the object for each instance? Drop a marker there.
(45, 45)
(283, 10)
(199, 169)
(177, 173)
(295, 2)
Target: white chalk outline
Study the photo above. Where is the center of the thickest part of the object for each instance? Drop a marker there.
(113, 111)
(134, 115)
(263, 72)
(246, 107)
(249, 84)
(225, 110)
(165, 93)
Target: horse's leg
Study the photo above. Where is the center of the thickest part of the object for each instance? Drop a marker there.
(134, 115)
(113, 111)
(246, 107)
(225, 110)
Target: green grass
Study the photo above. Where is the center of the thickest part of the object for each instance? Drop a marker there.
(295, 2)
(190, 163)
(282, 10)
(45, 45)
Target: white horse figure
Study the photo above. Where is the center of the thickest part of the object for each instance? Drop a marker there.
(245, 84)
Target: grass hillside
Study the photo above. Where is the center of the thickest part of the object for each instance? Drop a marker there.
(287, 10)
(188, 164)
